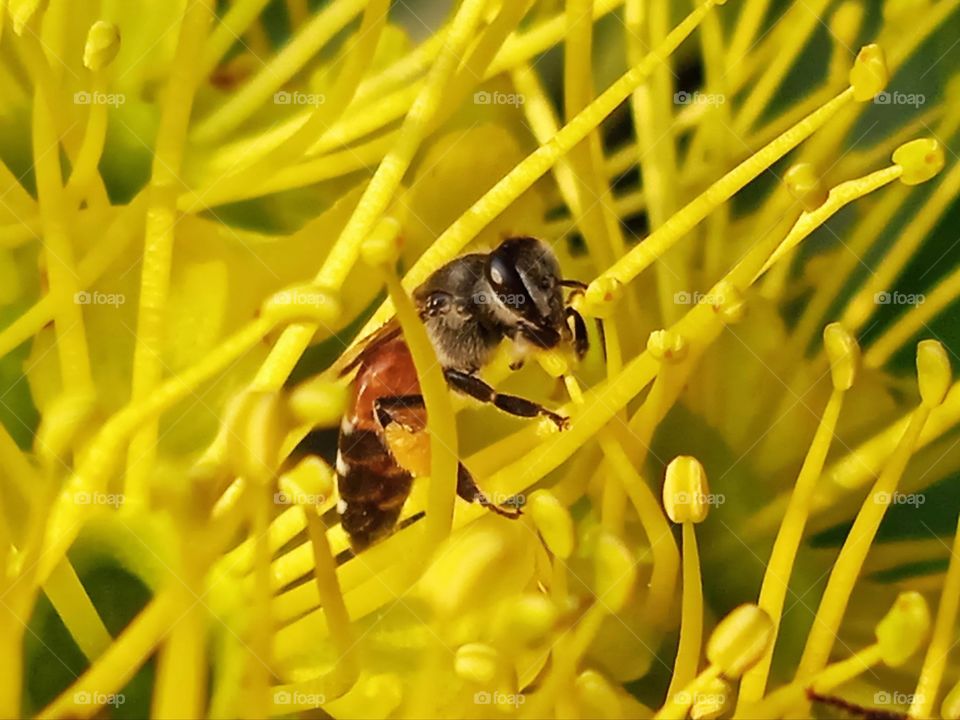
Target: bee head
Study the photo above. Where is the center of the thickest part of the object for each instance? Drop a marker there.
(524, 275)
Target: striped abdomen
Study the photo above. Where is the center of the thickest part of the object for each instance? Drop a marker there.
(372, 483)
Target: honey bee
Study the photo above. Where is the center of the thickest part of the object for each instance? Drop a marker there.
(468, 306)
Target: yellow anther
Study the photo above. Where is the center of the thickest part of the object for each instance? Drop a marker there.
(740, 639)
(686, 495)
(383, 246)
(667, 346)
(950, 708)
(476, 662)
(845, 22)
(596, 696)
(869, 74)
(472, 568)
(303, 303)
(254, 434)
(525, 619)
(933, 372)
(803, 182)
(904, 629)
(103, 44)
(319, 402)
(615, 571)
(553, 521)
(63, 420)
(920, 160)
(844, 353)
(897, 10)
(602, 296)
(553, 363)
(710, 700)
(310, 482)
(21, 11)
(728, 302)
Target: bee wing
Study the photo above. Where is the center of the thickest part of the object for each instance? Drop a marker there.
(352, 357)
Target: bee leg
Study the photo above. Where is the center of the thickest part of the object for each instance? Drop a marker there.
(581, 343)
(408, 411)
(479, 390)
(467, 489)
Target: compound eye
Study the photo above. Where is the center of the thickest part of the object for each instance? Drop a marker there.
(503, 277)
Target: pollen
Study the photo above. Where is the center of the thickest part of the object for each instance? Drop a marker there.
(740, 640)
(869, 74)
(904, 629)
(103, 44)
(920, 159)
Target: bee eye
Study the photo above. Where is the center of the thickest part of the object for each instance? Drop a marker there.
(502, 277)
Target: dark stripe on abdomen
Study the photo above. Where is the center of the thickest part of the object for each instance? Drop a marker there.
(372, 487)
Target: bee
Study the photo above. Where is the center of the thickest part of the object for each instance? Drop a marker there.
(468, 306)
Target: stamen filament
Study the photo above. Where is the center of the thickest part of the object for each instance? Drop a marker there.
(941, 640)
(662, 239)
(302, 47)
(535, 165)
(159, 239)
(849, 562)
(776, 578)
(119, 663)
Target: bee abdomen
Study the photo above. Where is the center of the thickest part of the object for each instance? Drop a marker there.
(372, 486)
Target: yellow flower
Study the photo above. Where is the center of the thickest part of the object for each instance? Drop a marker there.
(202, 207)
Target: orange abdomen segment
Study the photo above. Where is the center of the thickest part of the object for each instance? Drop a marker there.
(372, 485)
